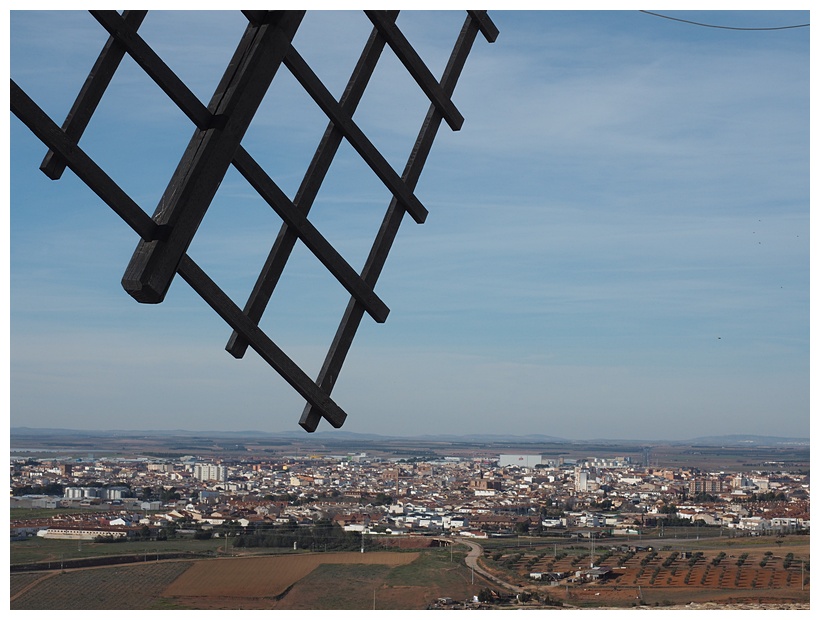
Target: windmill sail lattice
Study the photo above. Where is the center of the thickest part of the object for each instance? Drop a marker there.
(264, 48)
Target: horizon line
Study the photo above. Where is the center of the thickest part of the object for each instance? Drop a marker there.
(734, 436)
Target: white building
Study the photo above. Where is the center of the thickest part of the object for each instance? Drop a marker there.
(754, 524)
(581, 479)
(205, 472)
(786, 523)
(114, 492)
(519, 460)
(80, 533)
(95, 492)
(80, 492)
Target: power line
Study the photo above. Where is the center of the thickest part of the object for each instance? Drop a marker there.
(686, 21)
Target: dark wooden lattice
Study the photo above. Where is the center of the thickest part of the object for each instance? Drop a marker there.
(265, 46)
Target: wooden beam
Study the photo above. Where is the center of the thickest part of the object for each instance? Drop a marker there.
(259, 341)
(256, 176)
(82, 165)
(209, 154)
(309, 188)
(153, 65)
(390, 225)
(255, 17)
(302, 72)
(485, 24)
(311, 237)
(91, 93)
(415, 65)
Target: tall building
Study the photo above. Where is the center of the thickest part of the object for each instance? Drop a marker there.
(705, 485)
(581, 479)
(206, 472)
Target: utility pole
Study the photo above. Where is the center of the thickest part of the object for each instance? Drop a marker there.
(591, 550)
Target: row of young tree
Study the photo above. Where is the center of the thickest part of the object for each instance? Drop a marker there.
(322, 535)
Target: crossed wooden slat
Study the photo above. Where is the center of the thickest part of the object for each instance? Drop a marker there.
(161, 253)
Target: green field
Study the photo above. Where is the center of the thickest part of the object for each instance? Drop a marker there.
(409, 586)
(37, 549)
(119, 587)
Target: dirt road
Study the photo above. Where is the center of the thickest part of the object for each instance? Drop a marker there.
(472, 562)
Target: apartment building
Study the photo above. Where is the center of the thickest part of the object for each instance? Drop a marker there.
(711, 486)
(209, 472)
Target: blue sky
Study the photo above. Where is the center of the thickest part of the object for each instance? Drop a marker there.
(617, 244)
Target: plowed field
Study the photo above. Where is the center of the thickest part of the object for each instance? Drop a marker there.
(266, 577)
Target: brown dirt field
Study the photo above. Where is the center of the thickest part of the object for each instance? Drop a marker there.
(266, 577)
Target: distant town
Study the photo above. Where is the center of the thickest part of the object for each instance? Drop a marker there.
(468, 495)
